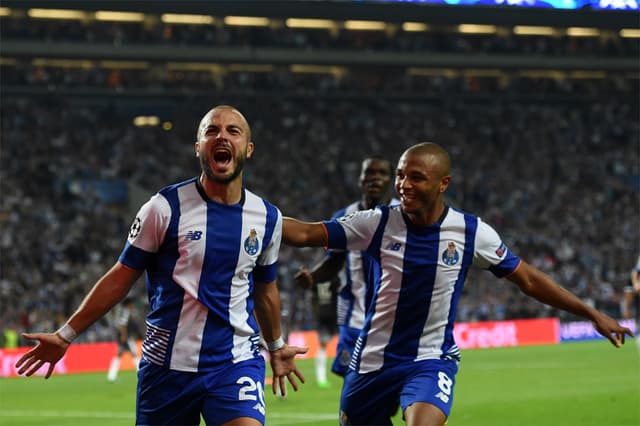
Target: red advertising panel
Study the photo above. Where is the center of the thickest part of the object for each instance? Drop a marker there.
(84, 358)
(493, 334)
(80, 358)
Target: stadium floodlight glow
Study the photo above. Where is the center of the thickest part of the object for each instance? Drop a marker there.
(433, 72)
(246, 21)
(107, 15)
(414, 27)
(181, 18)
(62, 63)
(553, 74)
(56, 14)
(146, 120)
(477, 29)
(318, 69)
(471, 72)
(583, 32)
(589, 75)
(533, 30)
(629, 33)
(5, 11)
(250, 68)
(195, 66)
(137, 65)
(310, 23)
(365, 25)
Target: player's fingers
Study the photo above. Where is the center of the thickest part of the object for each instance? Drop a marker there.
(23, 359)
(293, 382)
(26, 364)
(35, 368)
(298, 374)
(50, 370)
(301, 350)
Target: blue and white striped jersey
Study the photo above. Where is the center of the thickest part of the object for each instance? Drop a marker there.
(202, 260)
(417, 278)
(352, 295)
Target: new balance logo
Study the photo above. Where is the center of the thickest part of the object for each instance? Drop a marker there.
(193, 236)
(394, 246)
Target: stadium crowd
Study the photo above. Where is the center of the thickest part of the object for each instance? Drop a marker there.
(553, 163)
(559, 179)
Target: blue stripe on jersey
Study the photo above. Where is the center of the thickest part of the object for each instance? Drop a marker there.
(507, 266)
(336, 234)
(418, 278)
(163, 274)
(225, 222)
(371, 268)
(449, 347)
(162, 289)
(267, 273)
(372, 276)
(135, 258)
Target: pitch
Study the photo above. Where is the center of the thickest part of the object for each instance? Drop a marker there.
(573, 384)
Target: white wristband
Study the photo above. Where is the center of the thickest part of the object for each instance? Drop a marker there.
(67, 333)
(276, 344)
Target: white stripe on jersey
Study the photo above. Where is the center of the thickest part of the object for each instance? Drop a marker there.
(189, 334)
(193, 211)
(193, 315)
(390, 282)
(446, 275)
(239, 290)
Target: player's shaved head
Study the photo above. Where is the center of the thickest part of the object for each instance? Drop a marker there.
(207, 118)
(438, 155)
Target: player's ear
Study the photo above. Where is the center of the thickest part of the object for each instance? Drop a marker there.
(197, 148)
(249, 149)
(444, 183)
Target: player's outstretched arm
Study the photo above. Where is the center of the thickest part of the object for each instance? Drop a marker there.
(51, 347)
(303, 234)
(543, 288)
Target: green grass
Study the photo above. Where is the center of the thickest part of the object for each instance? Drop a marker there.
(581, 384)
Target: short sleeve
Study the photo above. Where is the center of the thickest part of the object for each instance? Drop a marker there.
(353, 231)
(491, 253)
(147, 232)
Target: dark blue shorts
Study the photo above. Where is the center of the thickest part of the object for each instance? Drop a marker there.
(168, 397)
(372, 398)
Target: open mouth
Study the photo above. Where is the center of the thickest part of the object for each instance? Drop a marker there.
(222, 156)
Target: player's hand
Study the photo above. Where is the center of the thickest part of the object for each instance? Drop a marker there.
(304, 278)
(283, 365)
(611, 329)
(50, 348)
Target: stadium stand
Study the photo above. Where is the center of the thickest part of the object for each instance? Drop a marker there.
(549, 155)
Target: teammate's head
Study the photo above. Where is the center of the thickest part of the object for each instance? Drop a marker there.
(223, 143)
(422, 177)
(375, 179)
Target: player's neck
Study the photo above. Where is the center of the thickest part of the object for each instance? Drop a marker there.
(428, 217)
(222, 192)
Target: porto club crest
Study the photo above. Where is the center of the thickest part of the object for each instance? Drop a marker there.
(450, 256)
(252, 243)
